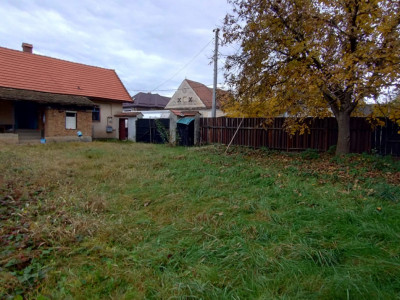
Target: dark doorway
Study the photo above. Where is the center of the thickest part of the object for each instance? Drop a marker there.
(152, 131)
(123, 129)
(185, 130)
(26, 115)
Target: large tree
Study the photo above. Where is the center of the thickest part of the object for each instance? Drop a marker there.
(312, 57)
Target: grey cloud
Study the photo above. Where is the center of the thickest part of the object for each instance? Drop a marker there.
(145, 41)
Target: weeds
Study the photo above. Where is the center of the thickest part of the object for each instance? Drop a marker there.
(124, 220)
(309, 154)
(162, 131)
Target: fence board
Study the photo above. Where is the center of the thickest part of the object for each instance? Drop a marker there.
(323, 133)
(386, 139)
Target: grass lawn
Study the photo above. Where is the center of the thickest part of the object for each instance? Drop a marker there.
(131, 221)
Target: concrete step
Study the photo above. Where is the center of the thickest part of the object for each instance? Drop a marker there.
(29, 135)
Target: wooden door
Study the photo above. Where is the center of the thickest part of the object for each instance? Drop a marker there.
(123, 134)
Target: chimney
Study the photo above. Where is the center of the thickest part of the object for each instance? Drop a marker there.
(27, 48)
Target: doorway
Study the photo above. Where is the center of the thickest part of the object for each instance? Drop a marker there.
(123, 129)
(26, 115)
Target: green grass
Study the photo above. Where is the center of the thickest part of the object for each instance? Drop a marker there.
(131, 221)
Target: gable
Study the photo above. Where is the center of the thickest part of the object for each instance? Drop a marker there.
(28, 71)
(202, 91)
(185, 98)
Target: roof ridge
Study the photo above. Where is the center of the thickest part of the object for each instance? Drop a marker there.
(55, 58)
(196, 82)
(49, 74)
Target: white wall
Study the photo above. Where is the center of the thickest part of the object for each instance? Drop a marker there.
(107, 109)
(206, 113)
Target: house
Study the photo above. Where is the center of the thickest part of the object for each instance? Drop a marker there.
(194, 96)
(47, 98)
(145, 102)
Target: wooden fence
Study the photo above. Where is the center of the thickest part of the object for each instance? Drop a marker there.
(386, 139)
(257, 133)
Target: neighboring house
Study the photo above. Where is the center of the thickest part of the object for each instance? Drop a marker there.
(194, 96)
(146, 101)
(54, 99)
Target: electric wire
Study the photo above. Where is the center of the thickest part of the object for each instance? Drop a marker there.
(188, 63)
(174, 90)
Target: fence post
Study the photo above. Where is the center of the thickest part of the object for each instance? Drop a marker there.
(173, 119)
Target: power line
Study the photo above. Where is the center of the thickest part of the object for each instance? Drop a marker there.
(171, 90)
(237, 50)
(202, 49)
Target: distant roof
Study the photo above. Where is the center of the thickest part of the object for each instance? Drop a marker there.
(28, 71)
(148, 100)
(132, 114)
(44, 98)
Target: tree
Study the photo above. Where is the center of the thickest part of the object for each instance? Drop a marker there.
(389, 110)
(312, 57)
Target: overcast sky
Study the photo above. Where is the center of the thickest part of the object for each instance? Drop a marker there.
(147, 42)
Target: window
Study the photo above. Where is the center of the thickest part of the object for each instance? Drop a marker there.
(190, 99)
(96, 114)
(70, 120)
(179, 100)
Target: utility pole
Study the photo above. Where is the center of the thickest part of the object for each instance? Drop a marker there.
(214, 98)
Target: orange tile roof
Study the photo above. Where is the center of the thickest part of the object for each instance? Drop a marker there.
(29, 71)
(205, 93)
(184, 113)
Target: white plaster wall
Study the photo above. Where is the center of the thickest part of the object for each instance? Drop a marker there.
(207, 113)
(132, 129)
(107, 109)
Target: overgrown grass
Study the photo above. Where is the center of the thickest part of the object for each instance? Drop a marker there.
(123, 220)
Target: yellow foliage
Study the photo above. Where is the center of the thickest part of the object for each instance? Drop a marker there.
(311, 58)
(390, 110)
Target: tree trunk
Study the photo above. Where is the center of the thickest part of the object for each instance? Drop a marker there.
(343, 142)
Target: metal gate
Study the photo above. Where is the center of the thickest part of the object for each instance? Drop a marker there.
(154, 131)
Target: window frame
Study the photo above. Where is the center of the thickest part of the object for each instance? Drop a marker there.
(96, 112)
(69, 118)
